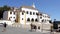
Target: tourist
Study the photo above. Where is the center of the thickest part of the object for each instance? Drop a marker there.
(4, 29)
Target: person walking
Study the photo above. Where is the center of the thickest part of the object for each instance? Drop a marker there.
(4, 25)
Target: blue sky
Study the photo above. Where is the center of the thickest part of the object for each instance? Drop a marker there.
(51, 7)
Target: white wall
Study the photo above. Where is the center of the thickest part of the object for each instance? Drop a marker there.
(21, 16)
(46, 18)
(30, 10)
(7, 14)
(27, 15)
(11, 15)
(40, 19)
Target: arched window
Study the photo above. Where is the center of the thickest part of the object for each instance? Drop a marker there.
(30, 13)
(40, 17)
(22, 18)
(10, 12)
(33, 13)
(43, 20)
(36, 20)
(32, 19)
(10, 18)
(27, 12)
(22, 13)
(28, 19)
(36, 13)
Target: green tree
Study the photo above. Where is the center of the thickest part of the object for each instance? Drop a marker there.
(2, 9)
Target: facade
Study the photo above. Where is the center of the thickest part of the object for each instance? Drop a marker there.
(9, 15)
(40, 17)
(46, 18)
(26, 15)
(43, 18)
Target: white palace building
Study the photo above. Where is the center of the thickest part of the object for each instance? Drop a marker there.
(27, 15)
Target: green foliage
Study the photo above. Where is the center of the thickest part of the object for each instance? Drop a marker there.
(2, 9)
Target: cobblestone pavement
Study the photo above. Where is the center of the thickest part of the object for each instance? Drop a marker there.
(17, 30)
